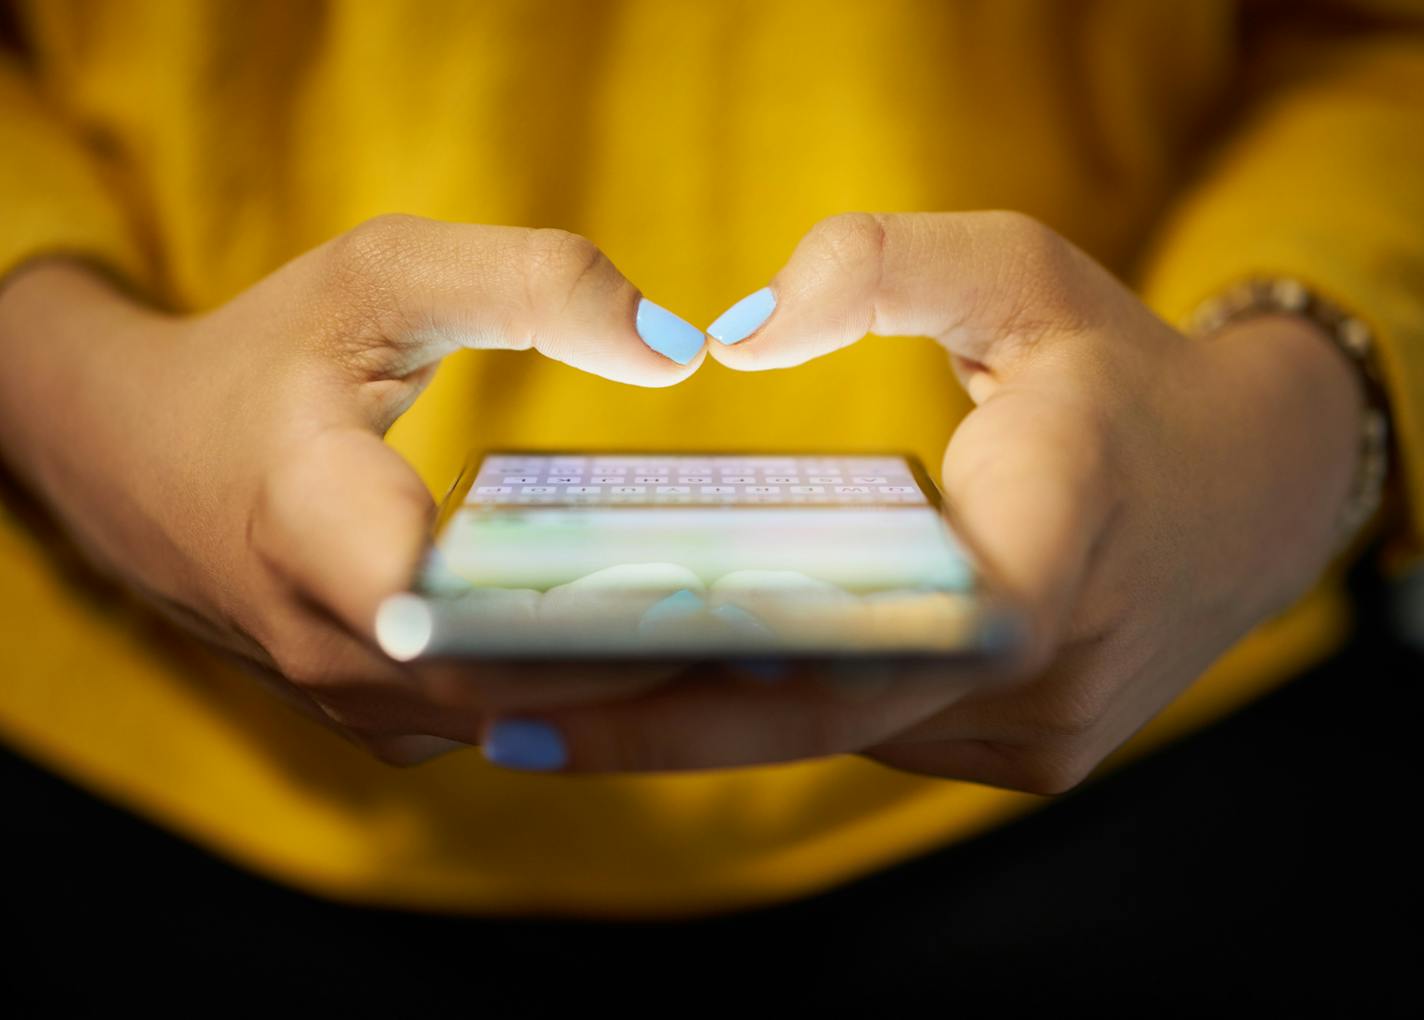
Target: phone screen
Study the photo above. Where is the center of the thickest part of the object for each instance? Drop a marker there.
(584, 554)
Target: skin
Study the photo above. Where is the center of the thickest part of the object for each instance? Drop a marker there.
(195, 457)
(1147, 498)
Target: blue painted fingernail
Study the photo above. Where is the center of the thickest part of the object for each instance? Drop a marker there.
(665, 333)
(744, 318)
(739, 618)
(527, 745)
(678, 606)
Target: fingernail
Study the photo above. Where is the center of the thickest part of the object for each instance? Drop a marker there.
(740, 619)
(527, 745)
(744, 318)
(678, 606)
(665, 333)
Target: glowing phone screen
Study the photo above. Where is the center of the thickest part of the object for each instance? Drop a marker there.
(656, 554)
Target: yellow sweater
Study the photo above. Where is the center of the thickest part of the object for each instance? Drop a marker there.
(196, 144)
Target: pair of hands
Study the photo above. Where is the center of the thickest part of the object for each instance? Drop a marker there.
(1148, 498)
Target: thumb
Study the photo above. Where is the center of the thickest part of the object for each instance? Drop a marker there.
(1027, 471)
(984, 284)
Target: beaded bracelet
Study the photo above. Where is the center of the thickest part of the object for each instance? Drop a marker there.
(1354, 339)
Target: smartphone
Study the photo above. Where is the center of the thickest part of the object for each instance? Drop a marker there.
(698, 556)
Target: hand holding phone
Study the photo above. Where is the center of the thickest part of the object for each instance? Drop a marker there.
(228, 464)
(1145, 497)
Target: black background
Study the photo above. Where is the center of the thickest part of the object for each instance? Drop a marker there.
(1268, 863)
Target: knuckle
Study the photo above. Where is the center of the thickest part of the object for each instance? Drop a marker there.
(312, 659)
(375, 243)
(854, 239)
(1067, 716)
(304, 665)
(1031, 237)
(1048, 772)
(368, 252)
(366, 263)
(559, 261)
(1043, 277)
(561, 252)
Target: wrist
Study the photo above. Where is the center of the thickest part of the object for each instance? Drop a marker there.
(1303, 406)
(77, 353)
(1353, 339)
(1304, 359)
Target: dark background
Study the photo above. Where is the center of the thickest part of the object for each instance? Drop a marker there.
(1269, 862)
